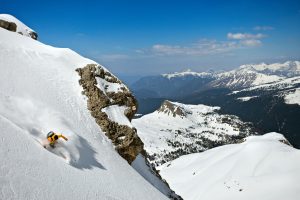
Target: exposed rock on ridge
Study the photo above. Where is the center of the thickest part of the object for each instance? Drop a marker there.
(170, 108)
(8, 25)
(125, 138)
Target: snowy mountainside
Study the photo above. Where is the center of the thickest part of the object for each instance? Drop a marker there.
(40, 92)
(256, 74)
(177, 129)
(287, 88)
(21, 28)
(262, 167)
(243, 78)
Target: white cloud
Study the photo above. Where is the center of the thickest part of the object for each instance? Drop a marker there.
(263, 28)
(251, 43)
(202, 47)
(244, 36)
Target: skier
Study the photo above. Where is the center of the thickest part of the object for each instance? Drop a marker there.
(52, 137)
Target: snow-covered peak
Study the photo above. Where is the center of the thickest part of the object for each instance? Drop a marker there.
(188, 72)
(21, 27)
(245, 76)
(288, 68)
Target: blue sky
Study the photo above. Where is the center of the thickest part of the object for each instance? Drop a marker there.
(150, 37)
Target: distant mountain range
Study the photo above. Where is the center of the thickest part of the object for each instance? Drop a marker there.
(266, 94)
(184, 83)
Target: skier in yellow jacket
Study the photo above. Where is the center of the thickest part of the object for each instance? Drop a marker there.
(52, 137)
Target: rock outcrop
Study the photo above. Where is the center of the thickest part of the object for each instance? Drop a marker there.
(11, 26)
(171, 109)
(125, 138)
(33, 35)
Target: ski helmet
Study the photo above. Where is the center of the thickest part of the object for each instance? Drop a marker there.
(50, 134)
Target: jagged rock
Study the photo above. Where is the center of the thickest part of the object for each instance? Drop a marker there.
(285, 141)
(33, 35)
(170, 108)
(11, 26)
(125, 138)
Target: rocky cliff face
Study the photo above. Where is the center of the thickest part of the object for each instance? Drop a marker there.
(125, 138)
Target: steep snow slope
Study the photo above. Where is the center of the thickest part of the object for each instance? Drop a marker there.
(176, 129)
(39, 92)
(262, 167)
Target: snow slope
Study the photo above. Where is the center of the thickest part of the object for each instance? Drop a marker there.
(287, 88)
(39, 92)
(262, 167)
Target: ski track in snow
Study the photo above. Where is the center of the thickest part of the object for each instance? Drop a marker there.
(38, 120)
